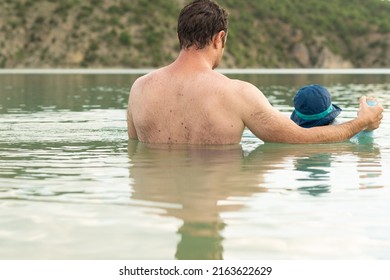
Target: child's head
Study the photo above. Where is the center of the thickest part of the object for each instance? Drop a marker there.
(313, 107)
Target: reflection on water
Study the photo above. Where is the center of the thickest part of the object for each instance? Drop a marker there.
(315, 166)
(317, 169)
(198, 184)
(191, 183)
(73, 186)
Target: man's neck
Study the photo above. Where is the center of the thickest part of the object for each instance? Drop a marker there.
(196, 58)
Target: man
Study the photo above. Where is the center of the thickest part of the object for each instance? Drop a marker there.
(188, 102)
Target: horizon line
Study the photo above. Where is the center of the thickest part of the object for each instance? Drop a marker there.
(142, 71)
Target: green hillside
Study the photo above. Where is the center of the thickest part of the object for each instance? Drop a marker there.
(142, 33)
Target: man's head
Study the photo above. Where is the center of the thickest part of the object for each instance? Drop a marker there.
(199, 22)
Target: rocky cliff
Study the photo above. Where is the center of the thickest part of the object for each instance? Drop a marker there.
(142, 33)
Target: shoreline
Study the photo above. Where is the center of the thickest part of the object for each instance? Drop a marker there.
(238, 71)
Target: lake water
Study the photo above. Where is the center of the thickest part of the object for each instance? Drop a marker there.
(73, 187)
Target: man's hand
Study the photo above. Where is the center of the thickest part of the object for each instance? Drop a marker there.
(370, 115)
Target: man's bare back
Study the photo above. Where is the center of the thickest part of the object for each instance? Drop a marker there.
(169, 106)
(189, 102)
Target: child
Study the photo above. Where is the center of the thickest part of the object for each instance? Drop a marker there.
(313, 107)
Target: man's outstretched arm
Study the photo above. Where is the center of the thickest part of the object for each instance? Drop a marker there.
(270, 125)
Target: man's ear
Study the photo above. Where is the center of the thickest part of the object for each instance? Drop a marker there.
(224, 38)
(219, 38)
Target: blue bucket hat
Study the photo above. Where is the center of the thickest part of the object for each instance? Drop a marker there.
(313, 107)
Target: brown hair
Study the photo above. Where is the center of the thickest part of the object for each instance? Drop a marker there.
(199, 21)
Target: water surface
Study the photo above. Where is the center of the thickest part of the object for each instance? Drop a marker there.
(73, 187)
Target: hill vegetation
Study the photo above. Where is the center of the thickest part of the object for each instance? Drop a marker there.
(142, 33)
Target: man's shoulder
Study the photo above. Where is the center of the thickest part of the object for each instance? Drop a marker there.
(243, 87)
(147, 77)
(155, 71)
(230, 81)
